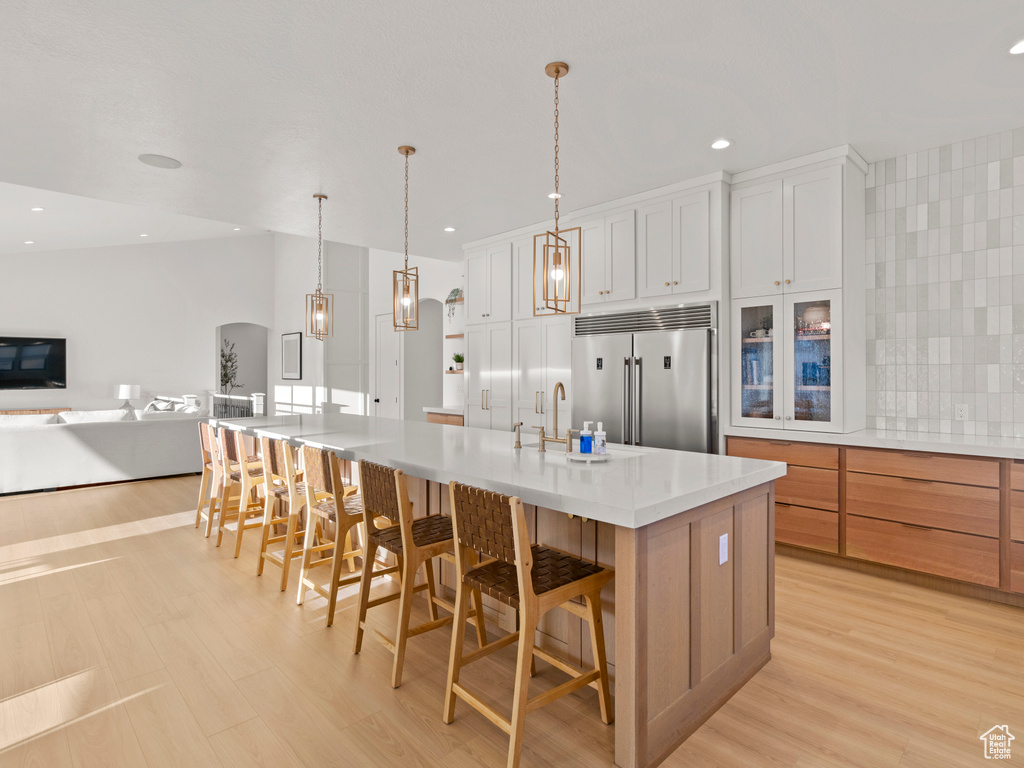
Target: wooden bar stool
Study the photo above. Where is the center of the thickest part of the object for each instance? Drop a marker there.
(244, 473)
(343, 509)
(532, 580)
(414, 542)
(284, 499)
(210, 485)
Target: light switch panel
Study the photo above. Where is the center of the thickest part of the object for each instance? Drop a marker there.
(723, 549)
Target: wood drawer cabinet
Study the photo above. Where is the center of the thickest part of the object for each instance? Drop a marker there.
(942, 553)
(445, 418)
(949, 506)
(924, 466)
(804, 527)
(807, 498)
(1016, 566)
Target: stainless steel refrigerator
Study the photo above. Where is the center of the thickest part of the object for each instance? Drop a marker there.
(651, 376)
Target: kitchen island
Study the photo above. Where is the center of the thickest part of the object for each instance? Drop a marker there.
(691, 537)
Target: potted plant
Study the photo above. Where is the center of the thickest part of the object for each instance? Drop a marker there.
(453, 298)
(459, 359)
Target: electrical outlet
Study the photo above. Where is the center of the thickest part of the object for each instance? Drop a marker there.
(723, 549)
(960, 412)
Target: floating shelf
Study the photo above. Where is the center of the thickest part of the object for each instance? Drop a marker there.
(758, 386)
(813, 388)
(454, 335)
(758, 340)
(813, 337)
(454, 371)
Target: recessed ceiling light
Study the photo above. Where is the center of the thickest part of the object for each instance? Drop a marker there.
(554, 195)
(237, 229)
(449, 229)
(721, 143)
(1018, 48)
(37, 209)
(143, 235)
(160, 161)
(30, 242)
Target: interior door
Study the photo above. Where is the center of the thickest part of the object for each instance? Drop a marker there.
(387, 370)
(674, 386)
(598, 372)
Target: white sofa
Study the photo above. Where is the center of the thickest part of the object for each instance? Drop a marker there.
(43, 456)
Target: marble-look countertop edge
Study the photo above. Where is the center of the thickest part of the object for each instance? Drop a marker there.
(932, 442)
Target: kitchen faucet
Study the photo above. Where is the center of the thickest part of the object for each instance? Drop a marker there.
(559, 388)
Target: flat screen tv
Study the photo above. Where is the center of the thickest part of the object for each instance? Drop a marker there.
(33, 363)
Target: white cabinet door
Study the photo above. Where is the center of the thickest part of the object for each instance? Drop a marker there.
(477, 288)
(477, 367)
(499, 384)
(814, 361)
(528, 367)
(654, 249)
(523, 276)
(557, 368)
(758, 370)
(592, 238)
(756, 240)
(812, 231)
(499, 279)
(620, 256)
(691, 267)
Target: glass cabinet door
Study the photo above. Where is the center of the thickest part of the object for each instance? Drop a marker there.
(757, 364)
(812, 365)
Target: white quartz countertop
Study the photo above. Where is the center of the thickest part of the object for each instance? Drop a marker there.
(448, 410)
(965, 445)
(635, 487)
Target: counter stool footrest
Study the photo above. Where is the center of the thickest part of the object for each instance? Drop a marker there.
(484, 709)
(562, 690)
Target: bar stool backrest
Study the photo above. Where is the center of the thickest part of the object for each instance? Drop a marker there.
(207, 441)
(229, 441)
(278, 459)
(483, 521)
(322, 470)
(380, 491)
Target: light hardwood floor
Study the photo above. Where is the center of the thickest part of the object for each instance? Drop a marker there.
(128, 639)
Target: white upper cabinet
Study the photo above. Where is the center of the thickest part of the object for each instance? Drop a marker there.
(756, 240)
(787, 234)
(526, 296)
(812, 230)
(488, 376)
(609, 258)
(489, 285)
(674, 246)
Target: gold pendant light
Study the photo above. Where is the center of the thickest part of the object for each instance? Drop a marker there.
(320, 305)
(555, 257)
(406, 288)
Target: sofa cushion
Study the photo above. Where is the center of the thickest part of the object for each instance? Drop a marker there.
(84, 417)
(13, 420)
(158, 405)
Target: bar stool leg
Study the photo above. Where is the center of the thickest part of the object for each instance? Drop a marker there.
(204, 488)
(369, 556)
(455, 655)
(431, 590)
(526, 641)
(214, 509)
(268, 514)
(410, 566)
(597, 646)
(224, 500)
(308, 542)
(478, 608)
(289, 546)
(332, 601)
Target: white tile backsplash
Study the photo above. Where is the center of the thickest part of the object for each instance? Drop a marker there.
(944, 260)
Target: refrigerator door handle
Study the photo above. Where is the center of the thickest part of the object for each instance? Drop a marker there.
(637, 401)
(626, 389)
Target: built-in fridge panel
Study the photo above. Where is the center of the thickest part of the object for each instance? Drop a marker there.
(599, 372)
(672, 371)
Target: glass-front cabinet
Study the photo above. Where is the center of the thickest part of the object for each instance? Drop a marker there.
(787, 361)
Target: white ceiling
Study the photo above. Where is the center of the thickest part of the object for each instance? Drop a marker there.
(70, 221)
(267, 102)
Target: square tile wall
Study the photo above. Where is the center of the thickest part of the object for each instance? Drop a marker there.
(945, 288)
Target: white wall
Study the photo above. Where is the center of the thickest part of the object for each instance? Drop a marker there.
(422, 385)
(347, 352)
(251, 352)
(137, 314)
(437, 278)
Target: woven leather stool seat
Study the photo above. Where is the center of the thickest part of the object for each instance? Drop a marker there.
(282, 491)
(425, 531)
(255, 472)
(551, 570)
(329, 511)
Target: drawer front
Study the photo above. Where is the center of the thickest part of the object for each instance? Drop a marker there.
(1017, 566)
(942, 553)
(812, 528)
(1017, 476)
(444, 418)
(1017, 515)
(964, 508)
(924, 466)
(801, 454)
(809, 487)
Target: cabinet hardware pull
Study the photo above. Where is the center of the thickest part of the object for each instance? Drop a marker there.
(787, 281)
(675, 282)
(666, 283)
(776, 282)
(600, 293)
(778, 418)
(482, 401)
(789, 418)
(536, 408)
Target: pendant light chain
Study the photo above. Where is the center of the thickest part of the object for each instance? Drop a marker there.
(319, 245)
(406, 211)
(556, 156)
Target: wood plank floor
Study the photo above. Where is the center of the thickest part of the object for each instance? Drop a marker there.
(128, 639)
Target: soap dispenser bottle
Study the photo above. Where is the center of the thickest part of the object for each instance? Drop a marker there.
(586, 438)
(600, 440)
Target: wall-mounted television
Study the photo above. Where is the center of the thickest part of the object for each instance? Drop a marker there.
(27, 363)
